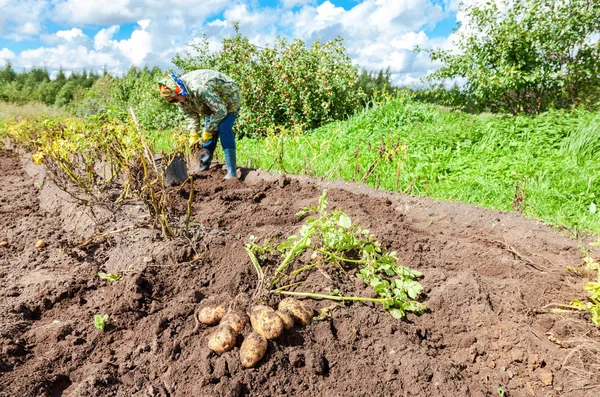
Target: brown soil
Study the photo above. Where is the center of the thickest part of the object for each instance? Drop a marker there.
(487, 275)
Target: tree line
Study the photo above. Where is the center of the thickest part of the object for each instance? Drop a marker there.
(36, 85)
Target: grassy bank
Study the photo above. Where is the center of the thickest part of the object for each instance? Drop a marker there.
(546, 166)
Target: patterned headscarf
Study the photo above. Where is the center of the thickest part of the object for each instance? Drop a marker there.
(171, 86)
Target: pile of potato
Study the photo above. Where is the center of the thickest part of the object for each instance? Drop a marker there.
(267, 324)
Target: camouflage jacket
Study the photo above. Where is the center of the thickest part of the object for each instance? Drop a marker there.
(211, 94)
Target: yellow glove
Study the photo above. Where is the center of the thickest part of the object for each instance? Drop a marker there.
(193, 138)
(207, 136)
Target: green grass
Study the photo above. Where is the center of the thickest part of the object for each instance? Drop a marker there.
(452, 156)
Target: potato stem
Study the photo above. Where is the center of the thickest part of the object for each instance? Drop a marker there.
(331, 297)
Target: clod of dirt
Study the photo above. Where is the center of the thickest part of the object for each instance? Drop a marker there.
(546, 378)
(315, 362)
(3, 243)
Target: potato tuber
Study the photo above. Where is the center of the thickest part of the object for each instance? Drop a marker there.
(222, 339)
(211, 315)
(302, 315)
(266, 322)
(287, 318)
(253, 349)
(236, 319)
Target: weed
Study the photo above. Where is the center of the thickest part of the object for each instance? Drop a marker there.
(100, 322)
(109, 276)
(591, 269)
(593, 290)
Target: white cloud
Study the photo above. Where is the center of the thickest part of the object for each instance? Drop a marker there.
(138, 46)
(408, 41)
(21, 20)
(67, 57)
(327, 12)
(294, 3)
(83, 12)
(103, 38)
(116, 12)
(70, 35)
(377, 33)
(73, 37)
(6, 56)
(250, 20)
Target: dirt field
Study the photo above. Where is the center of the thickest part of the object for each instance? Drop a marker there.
(487, 275)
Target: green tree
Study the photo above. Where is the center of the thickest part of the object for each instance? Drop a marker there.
(527, 55)
(95, 99)
(370, 83)
(65, 95)
(60, 77)
(8, 74)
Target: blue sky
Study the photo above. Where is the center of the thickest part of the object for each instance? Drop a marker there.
(118, 34)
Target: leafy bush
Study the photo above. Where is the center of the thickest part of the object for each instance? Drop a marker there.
(525, 56)
(284, 85)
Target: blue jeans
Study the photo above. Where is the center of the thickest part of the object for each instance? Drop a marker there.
(225, 133)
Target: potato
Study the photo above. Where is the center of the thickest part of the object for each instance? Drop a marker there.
(40, 244)
(222, 339)
(211, 315)
(3, 243)
(302, 315)
(253, 349)
(266, 322)
(287, 318)
(236, 319)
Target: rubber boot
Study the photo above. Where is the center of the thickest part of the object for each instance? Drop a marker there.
(206, 157)
(230, 162)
